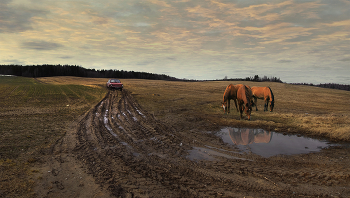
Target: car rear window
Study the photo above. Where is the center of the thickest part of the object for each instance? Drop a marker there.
(115, 81)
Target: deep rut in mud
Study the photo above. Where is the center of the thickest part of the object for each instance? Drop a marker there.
(130, 153)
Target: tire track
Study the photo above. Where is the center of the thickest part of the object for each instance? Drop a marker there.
(131, 154)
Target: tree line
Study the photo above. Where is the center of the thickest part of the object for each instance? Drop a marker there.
(35, 71)
(327, 85)
(46, 70)
(256, 78)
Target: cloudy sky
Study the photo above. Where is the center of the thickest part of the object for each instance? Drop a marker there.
(296, 40)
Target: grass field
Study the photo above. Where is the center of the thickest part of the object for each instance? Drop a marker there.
(34, 113)
(298, 108)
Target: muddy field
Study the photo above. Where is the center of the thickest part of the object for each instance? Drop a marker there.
(123, 147)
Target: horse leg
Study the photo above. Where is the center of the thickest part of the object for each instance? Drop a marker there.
(228, 106)
(241, 111)
(236, 104)
(256, 103)
(266, 105)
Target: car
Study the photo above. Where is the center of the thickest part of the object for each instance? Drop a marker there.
(114, 84)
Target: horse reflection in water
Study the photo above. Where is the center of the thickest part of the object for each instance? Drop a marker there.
(249, 136)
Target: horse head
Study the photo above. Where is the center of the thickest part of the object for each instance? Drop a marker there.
(248, 110)
(224, 105)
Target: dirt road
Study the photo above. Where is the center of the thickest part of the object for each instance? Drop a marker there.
(118, 149)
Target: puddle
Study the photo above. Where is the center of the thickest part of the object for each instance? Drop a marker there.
(138, 111)
(105, 121)
(268, 144)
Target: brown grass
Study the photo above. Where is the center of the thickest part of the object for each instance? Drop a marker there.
(33, 116)
(300, 109)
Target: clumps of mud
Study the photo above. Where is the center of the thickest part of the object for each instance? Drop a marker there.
(129, 153)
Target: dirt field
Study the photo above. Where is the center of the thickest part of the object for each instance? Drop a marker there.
(137, 143)
(120, 149)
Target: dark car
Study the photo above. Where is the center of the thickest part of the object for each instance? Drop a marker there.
(114, 83)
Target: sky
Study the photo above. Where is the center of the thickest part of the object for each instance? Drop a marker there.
(295, 40)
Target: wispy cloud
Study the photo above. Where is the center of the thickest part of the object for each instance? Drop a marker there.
(345, 59)
(284, 61)
(41, 45)
(17, 18)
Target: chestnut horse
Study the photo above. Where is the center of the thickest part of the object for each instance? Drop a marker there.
(244, 97)
(264, 93)
(230, 94)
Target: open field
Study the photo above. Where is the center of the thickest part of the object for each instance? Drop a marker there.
(301, 109)
(59, 140)
(33, 116)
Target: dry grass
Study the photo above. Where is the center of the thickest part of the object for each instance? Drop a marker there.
(35, 113)
(301, 109)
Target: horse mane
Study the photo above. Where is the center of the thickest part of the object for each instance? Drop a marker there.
(227, 91)
(272, 97)
(247, 94)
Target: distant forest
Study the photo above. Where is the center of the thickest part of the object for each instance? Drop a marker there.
(34, 71)
(256, 78)
(327, 85)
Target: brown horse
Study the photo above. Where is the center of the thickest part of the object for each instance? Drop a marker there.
(264, 93)
(244, 97)
(230, 94)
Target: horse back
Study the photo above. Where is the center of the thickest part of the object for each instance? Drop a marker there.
(258, 92)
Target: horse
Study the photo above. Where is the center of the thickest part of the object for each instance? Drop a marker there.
(244, 97)
(230, 94)
(264, 93)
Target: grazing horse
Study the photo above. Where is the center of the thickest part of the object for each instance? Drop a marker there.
(230, 94)
(244, 95)
(264, 93)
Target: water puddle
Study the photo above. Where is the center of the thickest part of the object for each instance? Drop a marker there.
(105, 121)
(139, 112)
(268, 144)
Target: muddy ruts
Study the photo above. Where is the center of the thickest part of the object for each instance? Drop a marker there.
(132, 154)
(127, 149)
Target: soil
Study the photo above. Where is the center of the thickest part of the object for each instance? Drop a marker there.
(118, 149)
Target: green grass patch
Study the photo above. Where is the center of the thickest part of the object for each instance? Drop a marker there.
(34, 115)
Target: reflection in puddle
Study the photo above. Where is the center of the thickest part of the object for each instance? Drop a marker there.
(249, 136)
(268, 144)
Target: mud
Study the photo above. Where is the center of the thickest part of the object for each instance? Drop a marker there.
(118, 149)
